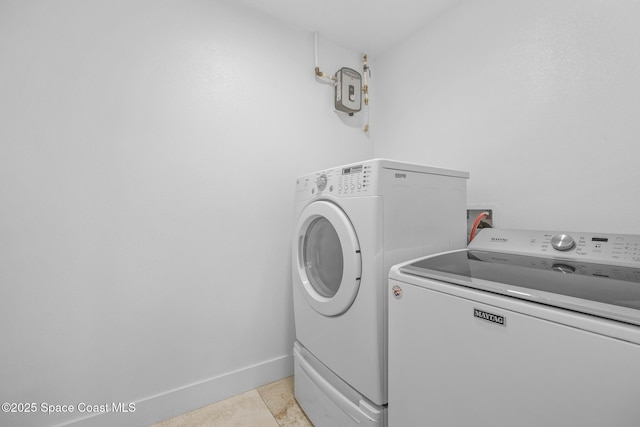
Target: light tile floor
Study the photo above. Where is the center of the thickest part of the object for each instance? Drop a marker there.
(272, 405)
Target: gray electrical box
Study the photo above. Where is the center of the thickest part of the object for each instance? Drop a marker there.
(348, 91)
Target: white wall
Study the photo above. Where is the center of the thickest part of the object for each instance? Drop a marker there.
(147, 157)
(539, 100)
(148, 152)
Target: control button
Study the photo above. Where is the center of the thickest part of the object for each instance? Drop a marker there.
(562, 242)
(321, 182)
(353, 186)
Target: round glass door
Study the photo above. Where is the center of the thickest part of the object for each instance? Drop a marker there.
(322, 257)
(328, 258)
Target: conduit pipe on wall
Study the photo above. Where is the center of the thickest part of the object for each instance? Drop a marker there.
(366, 73)
(321, 76)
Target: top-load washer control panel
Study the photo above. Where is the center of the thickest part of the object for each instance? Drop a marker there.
(616, 249)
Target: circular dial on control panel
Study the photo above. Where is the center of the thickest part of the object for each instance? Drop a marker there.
(321, 182)
(562, 242)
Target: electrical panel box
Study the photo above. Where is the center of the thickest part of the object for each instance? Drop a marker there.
(348, 91)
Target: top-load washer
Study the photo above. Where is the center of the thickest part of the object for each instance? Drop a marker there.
(353, 223)
(524, 328)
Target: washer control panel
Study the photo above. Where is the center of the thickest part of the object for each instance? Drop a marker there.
(355, 180)
(347, 181)
(619, 249)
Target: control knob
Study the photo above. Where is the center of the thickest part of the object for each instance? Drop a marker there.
(321, 182)
(562, 242)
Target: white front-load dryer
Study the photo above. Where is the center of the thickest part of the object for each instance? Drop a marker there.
(353, 223)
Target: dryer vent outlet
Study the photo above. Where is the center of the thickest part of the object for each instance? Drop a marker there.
(486, 222)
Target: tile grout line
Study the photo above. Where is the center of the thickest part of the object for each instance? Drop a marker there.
(267, 405)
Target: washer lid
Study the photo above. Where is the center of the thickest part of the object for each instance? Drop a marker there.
(327, 254)
(602, 290)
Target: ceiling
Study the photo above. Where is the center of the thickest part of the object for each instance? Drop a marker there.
(367, 26)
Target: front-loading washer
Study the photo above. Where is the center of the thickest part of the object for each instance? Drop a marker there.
(524, 328)
(353, 223)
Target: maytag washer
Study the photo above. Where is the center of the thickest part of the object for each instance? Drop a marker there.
(353, 223)
(523, 328)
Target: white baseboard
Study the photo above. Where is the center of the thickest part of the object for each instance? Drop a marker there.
(171, 403)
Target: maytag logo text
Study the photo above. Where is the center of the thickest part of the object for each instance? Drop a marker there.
(490, 317)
